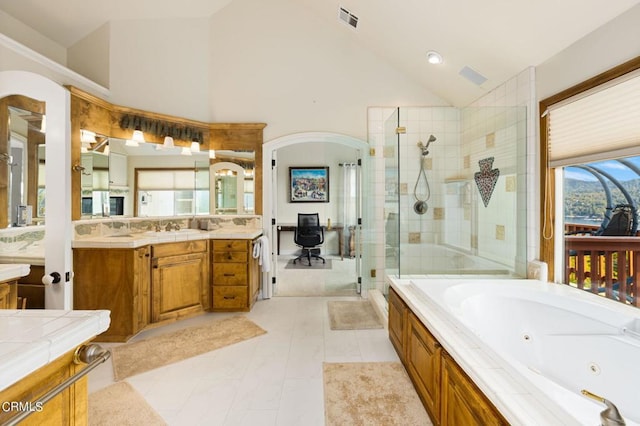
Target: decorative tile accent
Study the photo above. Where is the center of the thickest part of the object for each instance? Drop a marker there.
(389, 151)
(467, 162)
(510, 184)
(404, 188)
(490, 140)
(500, 232)
(438, 213)
(414, 238)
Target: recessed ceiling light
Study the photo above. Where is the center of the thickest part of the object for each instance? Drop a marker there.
(434, 57)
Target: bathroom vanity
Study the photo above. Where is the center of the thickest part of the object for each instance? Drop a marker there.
(37, 350)
(150, 278)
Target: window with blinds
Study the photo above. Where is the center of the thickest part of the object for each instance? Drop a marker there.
(598, 124)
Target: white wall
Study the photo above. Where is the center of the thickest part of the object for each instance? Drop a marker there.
(277, 63)
(90, 56)
(161, 66)
(312, 155)
(610, 45)
(31, 38)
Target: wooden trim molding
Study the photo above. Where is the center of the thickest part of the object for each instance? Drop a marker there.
(95, 114)
(547, 174)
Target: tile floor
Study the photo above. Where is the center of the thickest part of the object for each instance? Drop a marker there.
(273, 379)
(340, 280)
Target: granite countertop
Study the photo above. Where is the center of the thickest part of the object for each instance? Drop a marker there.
(10, 272)
(30, 339)
(151, 237)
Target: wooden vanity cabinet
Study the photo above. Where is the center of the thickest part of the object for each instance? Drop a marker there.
(9, 294)
(448, 394)
(236, 275)
(179, 279)
(117, 280)
(462, 402)
(397, 323)
(69, 407)
(422, 361)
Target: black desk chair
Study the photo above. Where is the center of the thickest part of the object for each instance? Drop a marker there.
(309, 235)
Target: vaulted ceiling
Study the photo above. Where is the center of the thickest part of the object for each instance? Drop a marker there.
(495, 38)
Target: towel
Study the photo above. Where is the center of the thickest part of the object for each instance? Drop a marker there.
(261, 252)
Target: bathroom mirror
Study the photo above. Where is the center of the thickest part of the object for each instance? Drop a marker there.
(22, 161)
(232, 182)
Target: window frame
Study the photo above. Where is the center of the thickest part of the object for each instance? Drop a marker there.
(547, 183)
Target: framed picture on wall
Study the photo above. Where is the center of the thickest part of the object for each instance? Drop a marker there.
(309, 184)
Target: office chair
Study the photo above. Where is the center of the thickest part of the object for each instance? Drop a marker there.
(309, 235)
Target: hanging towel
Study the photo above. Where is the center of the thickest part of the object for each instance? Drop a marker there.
(261, 252)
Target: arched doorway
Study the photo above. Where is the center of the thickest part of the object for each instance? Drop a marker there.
(340, 150)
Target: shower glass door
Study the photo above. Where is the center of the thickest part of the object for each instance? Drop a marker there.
(392, 196)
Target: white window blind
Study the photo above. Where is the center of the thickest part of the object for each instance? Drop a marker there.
(149, 180)
(598, 124)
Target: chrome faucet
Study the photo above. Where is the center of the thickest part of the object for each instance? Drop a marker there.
(610, 416)
(172, 225)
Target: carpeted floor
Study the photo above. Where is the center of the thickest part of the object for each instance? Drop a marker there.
(371, 393)
(121, 405)
(352, 315)
(157, 351)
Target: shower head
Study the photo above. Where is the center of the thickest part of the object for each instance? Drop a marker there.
(425, 148)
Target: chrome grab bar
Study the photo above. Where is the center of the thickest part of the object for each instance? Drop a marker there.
(91, 354)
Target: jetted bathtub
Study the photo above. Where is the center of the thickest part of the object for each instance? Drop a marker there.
(552, 339)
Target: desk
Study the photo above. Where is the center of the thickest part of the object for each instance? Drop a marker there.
(339, 228)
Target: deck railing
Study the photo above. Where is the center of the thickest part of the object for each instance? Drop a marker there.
(609, 266)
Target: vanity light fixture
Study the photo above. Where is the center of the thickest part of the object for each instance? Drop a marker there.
(87, 136)
(168, 142)
(434, 57)
(212, 153)
(195, 146)
(131, 143)
(185, 151)
(138, 136)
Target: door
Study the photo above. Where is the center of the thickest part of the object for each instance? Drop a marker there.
(351, 214)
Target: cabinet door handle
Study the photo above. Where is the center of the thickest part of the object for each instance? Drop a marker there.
(229, 275)
(229, 297)
(229, 257)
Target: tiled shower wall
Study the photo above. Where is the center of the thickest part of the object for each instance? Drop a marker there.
(500, 124)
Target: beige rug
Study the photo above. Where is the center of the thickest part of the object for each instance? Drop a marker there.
(371, 393)
(120, 404)
(353, 315)
(157, 351)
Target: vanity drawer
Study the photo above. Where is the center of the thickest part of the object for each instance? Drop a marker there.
(182, 247)
(229, 297)
(231, 245)
(230, 274)
(230, 256)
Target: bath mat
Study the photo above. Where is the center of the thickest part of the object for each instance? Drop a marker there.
(134, 358)
(353, 315)
(370, 393)
(302, 264)
(120, 404)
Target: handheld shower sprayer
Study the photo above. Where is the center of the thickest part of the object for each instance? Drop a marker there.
(421, 206)
(425, 148)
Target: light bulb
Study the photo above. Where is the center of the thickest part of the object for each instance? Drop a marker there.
(195, 146)
(212, 153)
(131, 142)
(434, 57)
(168, 142)
(138, 136)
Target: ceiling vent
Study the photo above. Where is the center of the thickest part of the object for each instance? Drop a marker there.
(347, 17)
(472, 75)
